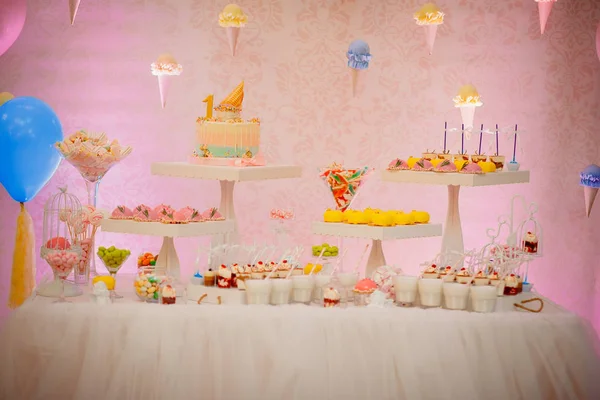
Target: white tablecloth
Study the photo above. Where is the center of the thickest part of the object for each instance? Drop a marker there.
(131, 350)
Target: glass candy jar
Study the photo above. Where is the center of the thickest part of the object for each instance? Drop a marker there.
(147, 284)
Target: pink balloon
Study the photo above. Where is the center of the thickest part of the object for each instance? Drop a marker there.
(598, 41)
(12, 19)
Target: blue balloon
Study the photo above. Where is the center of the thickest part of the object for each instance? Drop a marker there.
(28, 131)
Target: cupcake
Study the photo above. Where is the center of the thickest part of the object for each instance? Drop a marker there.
(423, 165)
(447, 274)
(258, 270)
(398, 165)
(494, 278)
(196, 216)
(209, 278)
(284, 269)
(511, 285)
(471, 168)
(331, 297)
(146, 215)
(269, 267)
(244, 273)
(365, 286)
(431, 272)
(212, 214)
(429, 156)
(163, 210)
(498, 161)
(530, 243)
(175, 218)
(481, 279)
(235, 270)
(224, 277)
(446, 166)
(168, 295)
(463, 276)
(187, 211)
(121, 212)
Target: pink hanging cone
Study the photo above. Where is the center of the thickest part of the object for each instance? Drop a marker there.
(164, 84)
(467, 113)
(73, 7)
(430, 32)
(544, 8)
(598, 41)
(358, 80)
(232, 36)
(590, 196)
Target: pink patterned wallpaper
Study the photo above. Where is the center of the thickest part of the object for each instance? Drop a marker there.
(96, 76)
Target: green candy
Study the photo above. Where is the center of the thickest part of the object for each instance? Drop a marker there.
(153, 263)
(155, 295)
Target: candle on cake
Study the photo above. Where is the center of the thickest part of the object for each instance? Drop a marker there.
(429, 17)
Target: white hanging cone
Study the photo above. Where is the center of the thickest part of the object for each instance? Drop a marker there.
(590, 195)
(164, 83)
(467, 113)
(430, 33)
(73, 7)
(544, 9)
(358, 80)
(232, 36)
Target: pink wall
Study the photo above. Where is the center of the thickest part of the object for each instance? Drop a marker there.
(96, 76)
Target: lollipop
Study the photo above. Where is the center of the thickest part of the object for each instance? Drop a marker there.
(344, 183)
(232, 18)
(359, 57)
(544, 8)
(165, 68)
(590, 180)
(467, 100)
(429, 16)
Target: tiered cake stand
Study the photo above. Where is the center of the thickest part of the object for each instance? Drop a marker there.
(452, 239)
(167, 258)
(227, 176)
(377, 234)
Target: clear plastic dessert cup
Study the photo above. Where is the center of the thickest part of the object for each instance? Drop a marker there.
(405, 288)
(456, 295)
(430, 292)
(258, 291)
(320, 282)
(483, 298)
(281, 289)
(302, 288)
(348, 280)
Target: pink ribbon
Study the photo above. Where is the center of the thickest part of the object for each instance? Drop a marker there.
(257, 161)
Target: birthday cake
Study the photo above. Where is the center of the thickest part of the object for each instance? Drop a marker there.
(225, 135)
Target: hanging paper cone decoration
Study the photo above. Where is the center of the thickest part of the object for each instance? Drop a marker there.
(429, 17)
(359, 56)
(358, 80)
(590, 196)
(467, 114)
(544, 8)
(590, 180)
(467, 100)
(598, 41)
(164, 84)
(165, 68)
(73, 7)
(431, 32)
(232, 18)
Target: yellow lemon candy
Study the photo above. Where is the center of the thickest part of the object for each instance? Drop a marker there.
(346, 213)
(309, 267)
(487, 166)
(109, 281)
(436, 161)
(460, 164)
(358, 217)
(402, 219)
(412, 161)
(333, 216)
(382, 219)
(420, 217)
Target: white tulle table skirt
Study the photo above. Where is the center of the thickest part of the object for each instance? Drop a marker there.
(131, 350)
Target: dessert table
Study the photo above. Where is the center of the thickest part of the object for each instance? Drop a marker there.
(133, 350)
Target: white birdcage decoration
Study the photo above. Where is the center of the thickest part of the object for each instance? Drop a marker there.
(63, 222)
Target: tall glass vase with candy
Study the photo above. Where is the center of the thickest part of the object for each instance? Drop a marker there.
(83, 227)
(61, 249)
(93, 155)
(344, 184)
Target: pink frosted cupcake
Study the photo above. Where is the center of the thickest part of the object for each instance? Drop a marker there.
(188, 211)
(446, 166)
(121, 212)
(146, 215)
(196, 216)
(140, 209)
(471, 168)
(163, 210)
(423, 165)
(212, 214)
(175, 218)
(397, 165)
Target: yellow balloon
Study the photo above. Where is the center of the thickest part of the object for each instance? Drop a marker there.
(5, 96)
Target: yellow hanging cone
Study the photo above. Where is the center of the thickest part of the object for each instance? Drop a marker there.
(235, 98)
(22, 280)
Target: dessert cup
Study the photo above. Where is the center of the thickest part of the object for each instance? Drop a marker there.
(513, 166)
(405, 288)
(210, 278)
(478, 157)
(258, 291)
(281, 290)
(348, 280)
(429, 156)
(499, 161)
(456, 296)
(302, 288)
(445, 156)
(320, 282)
(483, 298)
(430, 292)
(527, 287)
(481, 281)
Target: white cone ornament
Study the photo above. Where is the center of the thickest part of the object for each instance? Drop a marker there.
(429, 17)
(359, 57)
(73, 7)
(165, 69)
(232, 18)
(544, 9)
(590, 180)
(467, 100)
(598, 41)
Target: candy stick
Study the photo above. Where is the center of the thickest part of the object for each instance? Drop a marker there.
(497, 147)
(445, 133)
(317, 262)
(480, 139)
(462, 143)
(339, 261)
(515, 145)
(358, 264)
